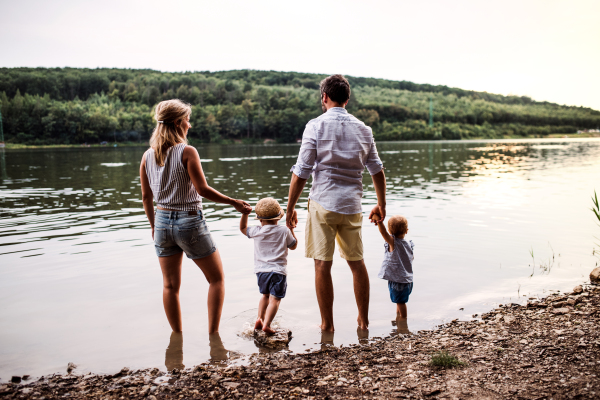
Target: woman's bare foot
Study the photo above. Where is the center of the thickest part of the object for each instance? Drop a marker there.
(258, 324)
(268, 330)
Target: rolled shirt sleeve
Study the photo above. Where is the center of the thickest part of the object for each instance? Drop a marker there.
(374, 164)
(308, 153)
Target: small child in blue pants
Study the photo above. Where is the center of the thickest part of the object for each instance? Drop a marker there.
(397, 262)
(271, 244)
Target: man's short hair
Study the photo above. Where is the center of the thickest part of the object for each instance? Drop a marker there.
(337, 88)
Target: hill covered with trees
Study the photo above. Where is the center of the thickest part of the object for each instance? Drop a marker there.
(72, 106)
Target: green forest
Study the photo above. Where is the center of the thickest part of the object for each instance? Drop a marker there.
(73, 106)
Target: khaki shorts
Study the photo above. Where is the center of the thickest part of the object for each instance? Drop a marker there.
(324, 227)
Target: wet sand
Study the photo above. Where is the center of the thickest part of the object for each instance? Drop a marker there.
(548, 349)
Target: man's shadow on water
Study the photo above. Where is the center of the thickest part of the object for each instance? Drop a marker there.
(219, 355)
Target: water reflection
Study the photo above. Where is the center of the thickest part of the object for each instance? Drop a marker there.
(218, 353)
(401, 325)
(363, 335)
(326, 339)
(74, 182)
(3, 165)
(174, 353)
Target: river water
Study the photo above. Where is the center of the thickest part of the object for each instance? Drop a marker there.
(80, 282)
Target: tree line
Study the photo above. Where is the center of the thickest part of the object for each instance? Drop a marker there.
(70, 105)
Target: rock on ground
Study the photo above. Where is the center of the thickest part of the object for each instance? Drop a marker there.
(278, 341)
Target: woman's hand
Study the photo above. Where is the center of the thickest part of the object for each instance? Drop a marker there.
(242, 206)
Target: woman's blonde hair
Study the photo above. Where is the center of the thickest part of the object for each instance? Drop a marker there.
(168, 131)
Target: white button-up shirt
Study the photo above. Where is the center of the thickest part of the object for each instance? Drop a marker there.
(336, 148)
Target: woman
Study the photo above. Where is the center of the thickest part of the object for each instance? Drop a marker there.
(171, 174)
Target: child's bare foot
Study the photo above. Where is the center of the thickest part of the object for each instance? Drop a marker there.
(268, 330)
(258, 324)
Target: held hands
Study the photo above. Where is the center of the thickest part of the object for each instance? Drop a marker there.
(291, 218)
(242, 206)
(377, 214)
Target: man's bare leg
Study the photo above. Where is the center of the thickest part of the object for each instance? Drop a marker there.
(361, 291)
(324, 287)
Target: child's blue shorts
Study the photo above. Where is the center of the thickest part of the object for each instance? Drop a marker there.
(272, 283)
(399, 292)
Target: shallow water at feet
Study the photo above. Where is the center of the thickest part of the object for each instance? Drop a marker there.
(79, 280)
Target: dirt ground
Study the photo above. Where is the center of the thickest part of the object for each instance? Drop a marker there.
(548, 349)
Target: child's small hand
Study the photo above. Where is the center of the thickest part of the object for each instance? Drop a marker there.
(242, 207)
(376, 219)
(377, 212)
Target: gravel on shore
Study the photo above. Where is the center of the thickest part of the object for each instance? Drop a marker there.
(548, 349)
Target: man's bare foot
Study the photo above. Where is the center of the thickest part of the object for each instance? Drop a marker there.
(258, 324)
(268, 330)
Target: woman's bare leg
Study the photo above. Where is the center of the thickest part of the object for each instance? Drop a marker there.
(171, 270)
(212, 268)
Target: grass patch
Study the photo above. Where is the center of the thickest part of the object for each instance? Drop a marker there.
(443, 359)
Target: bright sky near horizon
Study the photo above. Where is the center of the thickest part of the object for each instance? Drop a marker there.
(546, 49)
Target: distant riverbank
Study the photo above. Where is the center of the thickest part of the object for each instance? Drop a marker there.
(49, 105)
(267, 141)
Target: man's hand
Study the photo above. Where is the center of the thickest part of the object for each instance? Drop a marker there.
(242, 206)
(379, 184)
(380, 211)
(296, 187)
(291, 218)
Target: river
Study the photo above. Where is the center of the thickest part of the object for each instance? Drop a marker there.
(492, 221)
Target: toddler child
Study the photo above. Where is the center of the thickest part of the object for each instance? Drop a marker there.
(397, 262)
(271, 244)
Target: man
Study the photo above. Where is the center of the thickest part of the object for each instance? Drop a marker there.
(336, 148)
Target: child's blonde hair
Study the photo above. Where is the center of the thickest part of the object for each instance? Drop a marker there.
(398, 225)
(168, 131)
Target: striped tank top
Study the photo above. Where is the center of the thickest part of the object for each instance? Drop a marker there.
(171, 185)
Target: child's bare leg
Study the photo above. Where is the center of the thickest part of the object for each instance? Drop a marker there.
(262, 309)
(270, 314)
(401, 310)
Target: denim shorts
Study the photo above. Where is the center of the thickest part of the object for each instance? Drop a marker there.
(177, 231)
(399, 292)
(272, 283)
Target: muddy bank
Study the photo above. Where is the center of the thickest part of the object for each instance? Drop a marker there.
(549, 348)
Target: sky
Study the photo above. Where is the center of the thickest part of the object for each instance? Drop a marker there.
(546, 49)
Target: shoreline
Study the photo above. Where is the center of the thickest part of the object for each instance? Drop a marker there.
(548, 348)
(11, 146)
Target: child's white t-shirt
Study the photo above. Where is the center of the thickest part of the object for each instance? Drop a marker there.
(271, 244)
